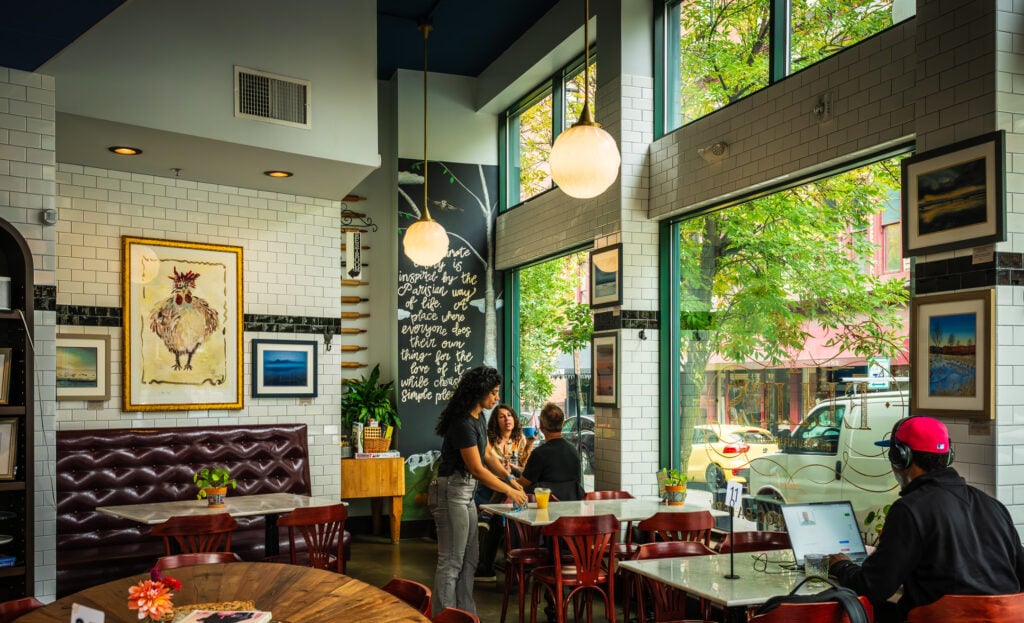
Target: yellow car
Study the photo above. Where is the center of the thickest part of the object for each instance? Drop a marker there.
(722, 452)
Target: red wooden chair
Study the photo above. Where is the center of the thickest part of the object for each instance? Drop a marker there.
(198, 558)
(10, 610)
(666, 526)
(971, 609)
(754, 541)
(669, 603)
(523, 552)
(321, 528)
(454, 615)
(197, 533)
(826, 612)
(589, 540)
(411, 592)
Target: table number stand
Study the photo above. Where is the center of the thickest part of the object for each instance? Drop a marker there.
(733, 492)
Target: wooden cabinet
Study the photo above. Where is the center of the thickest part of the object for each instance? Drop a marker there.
(16, 415)
(375, 479)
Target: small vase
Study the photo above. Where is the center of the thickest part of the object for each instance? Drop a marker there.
(216, 496)
(675, 495)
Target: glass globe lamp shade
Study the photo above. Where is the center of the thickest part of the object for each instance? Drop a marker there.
(584, 161)
(425, 242)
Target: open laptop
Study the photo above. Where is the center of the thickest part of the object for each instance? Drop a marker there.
(824, 528)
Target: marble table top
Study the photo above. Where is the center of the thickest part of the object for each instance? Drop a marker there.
(625, 510)
(761, 575)
(238, 506)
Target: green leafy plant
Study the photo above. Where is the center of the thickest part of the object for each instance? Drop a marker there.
(212, 478)
(672, 477)
(874, 521)
(368, 399)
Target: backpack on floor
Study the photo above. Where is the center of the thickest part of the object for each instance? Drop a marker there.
(846, 598)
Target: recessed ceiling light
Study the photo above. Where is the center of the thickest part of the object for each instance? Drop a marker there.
(124, 150)
(278, 173)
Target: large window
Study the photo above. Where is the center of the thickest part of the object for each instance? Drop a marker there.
(533, 124)
(786, 303)
(719, 51)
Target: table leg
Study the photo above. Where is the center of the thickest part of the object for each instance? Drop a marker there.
(272, 538)
(376, 508)
(396, 518)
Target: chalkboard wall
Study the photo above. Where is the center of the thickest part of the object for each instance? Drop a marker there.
(448, 315)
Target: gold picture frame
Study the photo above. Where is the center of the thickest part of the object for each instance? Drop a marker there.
(5, 374)
(8, 447)
(176, 365)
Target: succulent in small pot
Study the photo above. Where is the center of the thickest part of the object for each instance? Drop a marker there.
(674, 483)
(213, 484)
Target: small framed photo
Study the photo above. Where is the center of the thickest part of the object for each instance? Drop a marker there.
(606, 276)
(8, 447)
(282, 368)
(953, 196)
(83, 367)
(5, 373)
(604, 367)
(952, 354)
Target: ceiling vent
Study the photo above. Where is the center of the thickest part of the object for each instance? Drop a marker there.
(268, 97)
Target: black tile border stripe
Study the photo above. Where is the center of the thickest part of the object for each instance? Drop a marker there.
(627, 319)
(959, 273)
(86, 316)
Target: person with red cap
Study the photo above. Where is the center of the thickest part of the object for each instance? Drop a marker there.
(941, 537)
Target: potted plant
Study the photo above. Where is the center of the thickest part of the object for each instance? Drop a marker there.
(213, 484)
(674, 483)
(366, 400)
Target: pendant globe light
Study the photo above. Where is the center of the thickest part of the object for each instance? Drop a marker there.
(584, 160)
(425, 241)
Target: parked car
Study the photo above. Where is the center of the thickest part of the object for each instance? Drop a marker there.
(586, 434)
(723, 452)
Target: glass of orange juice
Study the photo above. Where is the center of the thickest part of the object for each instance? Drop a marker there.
(543, 495)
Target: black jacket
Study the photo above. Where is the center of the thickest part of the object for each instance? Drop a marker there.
(942, 537)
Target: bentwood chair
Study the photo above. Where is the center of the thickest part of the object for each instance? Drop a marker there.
(626, 549)
(10, 610)
(754, 541)
(197, 533)
(588, 540)
(828, 612)
(669, 603)
(321, 528)
(411, 592)
(971, 609)
(454, 615)
(198, 558)
(665, 526)
(523, 552)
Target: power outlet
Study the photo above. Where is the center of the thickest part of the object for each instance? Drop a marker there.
(823, 107)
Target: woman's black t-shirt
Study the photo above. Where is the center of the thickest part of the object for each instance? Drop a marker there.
(462, 433)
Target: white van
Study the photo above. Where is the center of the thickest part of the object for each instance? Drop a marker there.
(831, 455)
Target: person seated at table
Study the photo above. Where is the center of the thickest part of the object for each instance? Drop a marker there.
(940, 537)
(555, 464)
(506, 440)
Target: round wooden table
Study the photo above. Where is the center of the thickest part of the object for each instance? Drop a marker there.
(293, 594)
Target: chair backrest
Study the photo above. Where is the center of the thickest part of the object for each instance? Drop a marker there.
(10, 610)
(321, 528)
(971, 609)
(198, 558)
(454, 615)
(608, 495)
(669, 603)
(754, 541)
(411, 592)
(197, 533)
(672, 549)
(818, 612)
(588, 540)
(665, 526)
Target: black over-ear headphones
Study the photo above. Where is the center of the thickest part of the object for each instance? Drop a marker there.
(901, 455)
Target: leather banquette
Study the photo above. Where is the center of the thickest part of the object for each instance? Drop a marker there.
(135, 466)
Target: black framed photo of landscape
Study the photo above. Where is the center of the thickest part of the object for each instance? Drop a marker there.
(606, 276)
(952, 354)
(953, 196)
(83, 366)
(284, 368)
(604, 366)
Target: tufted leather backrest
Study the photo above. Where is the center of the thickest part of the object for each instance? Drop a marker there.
(133, 466)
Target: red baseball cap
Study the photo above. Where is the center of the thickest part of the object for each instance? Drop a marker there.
(922, 434)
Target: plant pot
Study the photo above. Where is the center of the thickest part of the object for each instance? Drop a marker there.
(675, 495)
(216, 495)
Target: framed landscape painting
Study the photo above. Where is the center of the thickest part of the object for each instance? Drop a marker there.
(952, 354)
(8, 447)
(284, 368)
(182, 325)
(83, 367)
(953, 196)
(5, 373)
(604, 366)
(606, 276)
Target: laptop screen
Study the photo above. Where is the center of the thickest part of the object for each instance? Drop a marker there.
(823, 528)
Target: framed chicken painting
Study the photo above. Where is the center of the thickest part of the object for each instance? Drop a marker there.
(182, 325)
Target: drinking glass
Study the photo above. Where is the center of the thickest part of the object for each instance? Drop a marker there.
(543, 495)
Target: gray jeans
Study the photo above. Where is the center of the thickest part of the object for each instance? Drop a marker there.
(450, 499)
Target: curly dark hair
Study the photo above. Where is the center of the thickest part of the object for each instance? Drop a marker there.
(494, 430)
(472, 387)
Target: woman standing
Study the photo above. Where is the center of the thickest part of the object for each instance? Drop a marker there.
(465, 459)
